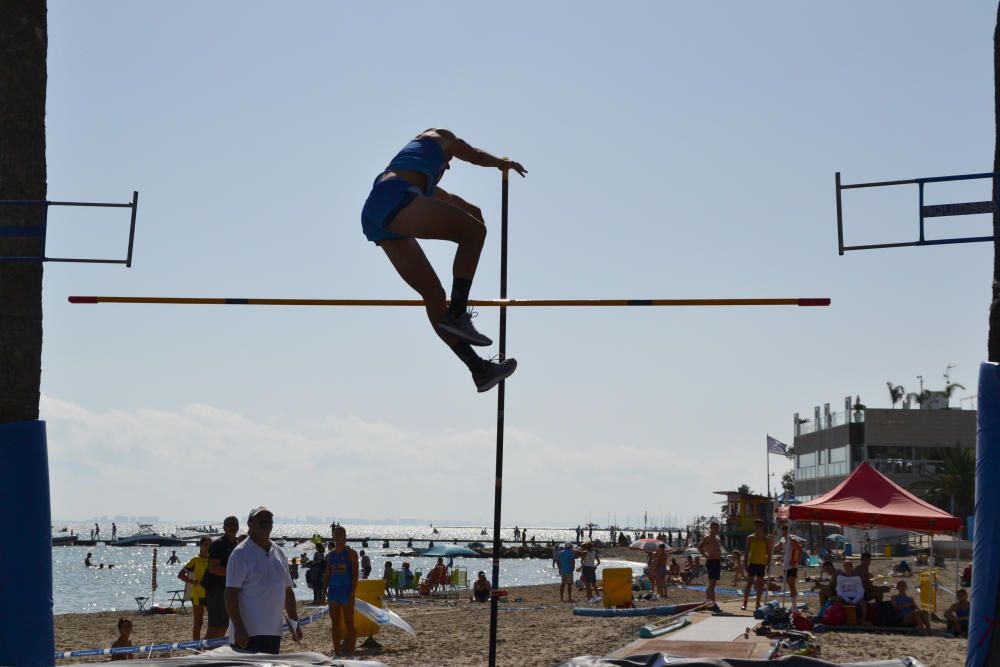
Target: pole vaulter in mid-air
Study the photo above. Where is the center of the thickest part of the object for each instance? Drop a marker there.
(405, 204)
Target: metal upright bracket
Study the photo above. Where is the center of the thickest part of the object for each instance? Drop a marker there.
(42, 230)
(924, 210)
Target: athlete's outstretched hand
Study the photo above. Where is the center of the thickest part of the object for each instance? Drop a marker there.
(507, 164)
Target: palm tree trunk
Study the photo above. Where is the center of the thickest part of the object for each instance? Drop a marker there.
(26, 634)
(23, 43)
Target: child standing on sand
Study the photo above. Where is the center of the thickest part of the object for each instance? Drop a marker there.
(341, 582)
(124, 632)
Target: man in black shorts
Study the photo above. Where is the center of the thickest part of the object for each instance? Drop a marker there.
(791, 554)
(711, 549)
(214, 581)
(758, 551)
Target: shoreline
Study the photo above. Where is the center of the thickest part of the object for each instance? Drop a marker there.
(534, 628)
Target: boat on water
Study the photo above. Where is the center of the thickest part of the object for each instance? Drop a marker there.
(64, 540)
(197, 532)
(146, 536)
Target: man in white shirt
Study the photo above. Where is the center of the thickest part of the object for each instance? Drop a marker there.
(259, 589)
(851, 590)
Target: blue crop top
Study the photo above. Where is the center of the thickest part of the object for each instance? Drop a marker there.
(341, 569)
(423, 155)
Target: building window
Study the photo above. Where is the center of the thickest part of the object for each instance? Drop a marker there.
(890, 452)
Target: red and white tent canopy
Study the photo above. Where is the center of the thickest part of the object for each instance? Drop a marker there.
(869, 498)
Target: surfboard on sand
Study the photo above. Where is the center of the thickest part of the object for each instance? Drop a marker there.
(381, 616)
(657, 629)
(662, 610)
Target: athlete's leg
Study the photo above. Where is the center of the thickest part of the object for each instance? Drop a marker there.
(335, 626)
(428, 218)
(412, 264)
(352, 635)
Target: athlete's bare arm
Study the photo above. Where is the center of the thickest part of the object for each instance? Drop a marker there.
(467, 153)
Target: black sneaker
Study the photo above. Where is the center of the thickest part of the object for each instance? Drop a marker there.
(461, 326)
(494, 373)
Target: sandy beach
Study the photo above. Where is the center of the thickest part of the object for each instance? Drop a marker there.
(534, 628)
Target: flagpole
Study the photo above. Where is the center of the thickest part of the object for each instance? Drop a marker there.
(768, 459)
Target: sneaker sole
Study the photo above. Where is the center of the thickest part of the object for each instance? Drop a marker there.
(495, 381)
(482, 341)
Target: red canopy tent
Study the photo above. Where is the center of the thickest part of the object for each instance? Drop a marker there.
(869, 498)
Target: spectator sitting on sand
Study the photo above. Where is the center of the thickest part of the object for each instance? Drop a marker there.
(481, 589)
(967, 576)
(124, 633)
(826, 583)
(872, 592)
(902, 568)
(688, 569)
(438, 578)
(957, 615)
(674, 574)
(851, 591)
(907, 612)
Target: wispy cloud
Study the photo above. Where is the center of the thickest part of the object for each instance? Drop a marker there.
(203, 461)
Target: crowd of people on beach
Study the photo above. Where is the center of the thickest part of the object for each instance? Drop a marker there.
(241, 587)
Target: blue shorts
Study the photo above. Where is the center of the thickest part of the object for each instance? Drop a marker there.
(338, 594)
(387, 198)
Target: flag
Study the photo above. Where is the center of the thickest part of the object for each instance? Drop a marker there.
(775, 446)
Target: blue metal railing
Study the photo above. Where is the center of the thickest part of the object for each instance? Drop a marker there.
(42, 230)
(924, 210)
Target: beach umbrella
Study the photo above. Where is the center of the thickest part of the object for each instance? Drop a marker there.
(449, 551)
(647, 544)
(836, 537)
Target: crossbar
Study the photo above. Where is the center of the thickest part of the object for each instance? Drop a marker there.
(503, 303)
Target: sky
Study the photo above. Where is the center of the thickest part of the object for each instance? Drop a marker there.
(674, 150)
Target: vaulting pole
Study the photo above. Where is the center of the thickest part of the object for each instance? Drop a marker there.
(498, 493)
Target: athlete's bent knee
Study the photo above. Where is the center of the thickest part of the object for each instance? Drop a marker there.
(476, 233)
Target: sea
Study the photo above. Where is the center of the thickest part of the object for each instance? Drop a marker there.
(81, 589)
